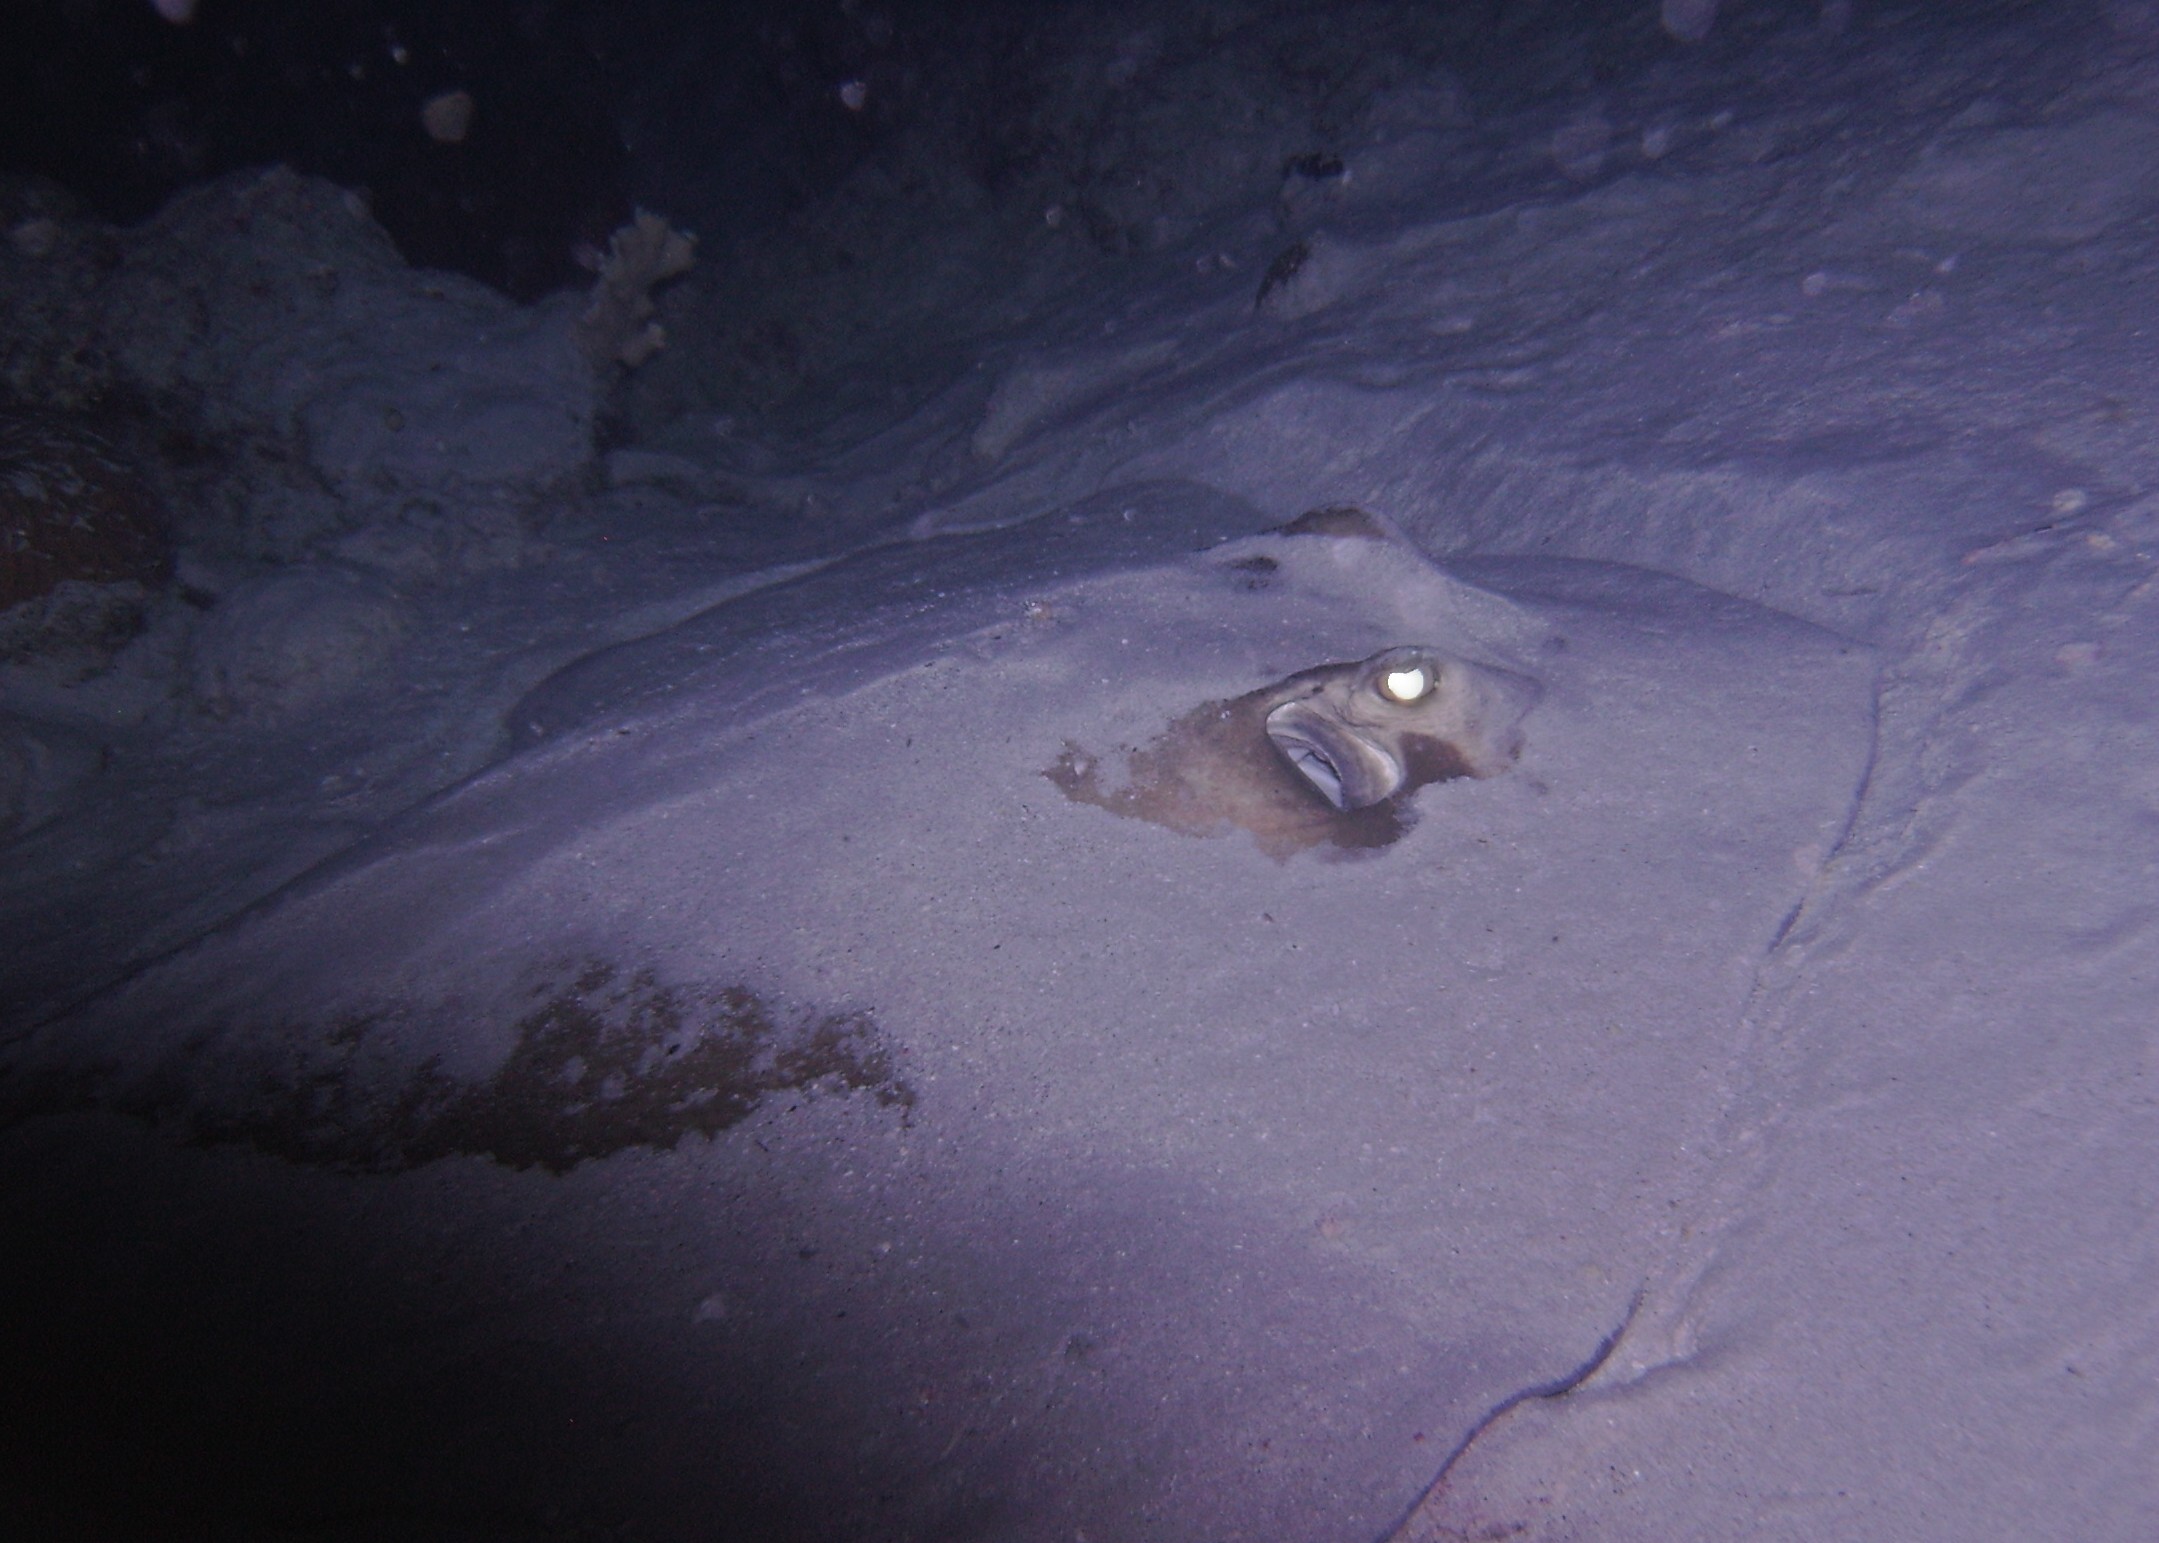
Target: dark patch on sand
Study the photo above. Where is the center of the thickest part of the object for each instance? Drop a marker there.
(1341, 521)
(1286, 265)
(602, 1060)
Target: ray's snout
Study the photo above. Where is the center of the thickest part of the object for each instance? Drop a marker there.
(1359, 734)
(1347, 768)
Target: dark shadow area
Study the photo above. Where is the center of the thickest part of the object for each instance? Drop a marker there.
(125, 109)
(220, 1346)
(190, 1355)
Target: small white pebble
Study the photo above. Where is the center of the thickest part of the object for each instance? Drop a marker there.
(448, 117)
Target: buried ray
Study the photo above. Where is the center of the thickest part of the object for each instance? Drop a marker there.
(1331, 755)
(944, 1159)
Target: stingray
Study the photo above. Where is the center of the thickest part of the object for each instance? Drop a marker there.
(761, 1104)
(1332, 754)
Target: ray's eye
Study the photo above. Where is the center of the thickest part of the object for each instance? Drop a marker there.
(1410, 684)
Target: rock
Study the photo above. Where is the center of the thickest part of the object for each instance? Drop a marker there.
(277, 308)
(295, 640)
(72, 508)
(42, 766)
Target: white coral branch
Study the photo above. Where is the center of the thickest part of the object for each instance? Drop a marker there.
(617, 327)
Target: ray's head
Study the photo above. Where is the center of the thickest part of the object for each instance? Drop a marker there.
(1328, 756)
(1360, 734)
